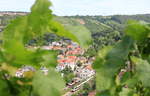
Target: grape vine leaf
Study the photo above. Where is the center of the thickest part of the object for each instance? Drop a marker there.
(142, 72)
(4, 88)
(82, 34)
(100, 58)
(50, 85)
(137, 30)
(25, 28)
(126, 92)
(114, 59)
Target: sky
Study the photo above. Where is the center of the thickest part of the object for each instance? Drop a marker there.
(83, 7)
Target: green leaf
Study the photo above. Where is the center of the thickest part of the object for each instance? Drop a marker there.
(125, 77)
(115, 58)
(50, 85)
(21, 30)
(2, 58)
(119, 53)
(103, 81)
(126, 92)
(4, 88)
(103, 93)
(148, 59)
(35, 24)
(59, 30)
(137, 30)
(17, 55)
(50, 59)
(142, 71)
(82, 34)
(100, 58)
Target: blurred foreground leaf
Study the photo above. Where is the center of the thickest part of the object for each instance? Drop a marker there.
(114, 59)
(137, 30)
(142, 68)
(50, 85)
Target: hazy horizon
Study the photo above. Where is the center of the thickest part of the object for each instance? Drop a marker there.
(84, 7)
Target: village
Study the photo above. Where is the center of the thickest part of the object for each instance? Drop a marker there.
(70, 60)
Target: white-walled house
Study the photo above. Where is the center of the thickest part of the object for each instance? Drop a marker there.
(60, 67)
(85, 73)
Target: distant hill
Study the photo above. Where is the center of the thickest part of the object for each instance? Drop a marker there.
(104, 29)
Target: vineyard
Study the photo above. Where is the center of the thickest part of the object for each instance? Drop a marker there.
(122, 68)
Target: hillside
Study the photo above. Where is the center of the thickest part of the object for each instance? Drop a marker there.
(105, 30)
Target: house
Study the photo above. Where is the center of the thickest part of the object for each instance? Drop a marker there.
(71, 64)
(47, 47)
(93, 93)
(56, 48)
(66, 62)
(72, 57)
(20, 72)
(85, 72)
(60, 67)
(82, 59)
(44, 70)
(60, 57)
(27, 68)
(75, 44)
(55, 44)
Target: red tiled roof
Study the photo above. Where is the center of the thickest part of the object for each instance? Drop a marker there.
(78, 48)
(89, 67)
(93, 93)
(61, 64)
(66, 61)
(61, 61)
(69, 46)
(72, 57)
